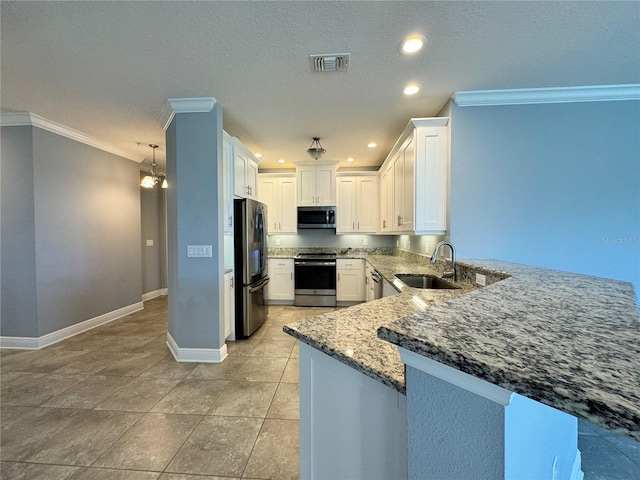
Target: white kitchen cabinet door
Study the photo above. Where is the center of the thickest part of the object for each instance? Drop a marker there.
(432, 180)
(367, 204)
(229, 307)
(357, 204)
(288, 213)
(346, 207)
(386, 200)
(280, 289)
(245, 170)
(227, 169)
(252, 178)
(279, 194)
(306, 178)
(316, 185)
(326, 185)
(350, 281)
(268, 188)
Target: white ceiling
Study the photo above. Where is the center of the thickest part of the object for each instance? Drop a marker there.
(107, 68)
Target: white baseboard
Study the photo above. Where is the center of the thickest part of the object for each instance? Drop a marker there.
(202, 355)
(155, 294)
(35, 343)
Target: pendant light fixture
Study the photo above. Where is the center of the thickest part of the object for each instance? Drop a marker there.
(150, 181)
(316, 151)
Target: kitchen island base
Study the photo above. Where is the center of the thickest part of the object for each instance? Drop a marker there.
(351, 426)
(463, 427)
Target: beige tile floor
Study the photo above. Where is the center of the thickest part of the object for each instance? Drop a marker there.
(112, 403)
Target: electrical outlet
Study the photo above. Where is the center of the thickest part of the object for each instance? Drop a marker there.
(365, 241)
(277, 242)
(149, 243)
(397, 243)
(481, 280)
(427, 248)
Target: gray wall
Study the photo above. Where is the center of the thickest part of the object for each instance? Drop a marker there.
(86, 206)
(556, 186)
(18, 250)
(153, 227)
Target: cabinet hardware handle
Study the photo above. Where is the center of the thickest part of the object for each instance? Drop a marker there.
(384, 224)
(279, 225)
(231, 282)
(353, 226)
(291, 275)
(399, 220)
(338, 276)
(230, 220)
(358, 225)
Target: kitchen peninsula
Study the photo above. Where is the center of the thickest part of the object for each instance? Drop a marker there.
(566, 341)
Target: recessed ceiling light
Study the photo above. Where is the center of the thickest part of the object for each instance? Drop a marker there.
(281, 160)
(350, 159)
(372, 145)
(258, 155)
(411, 89)
(412, 44)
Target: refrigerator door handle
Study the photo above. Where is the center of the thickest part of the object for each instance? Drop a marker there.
(261, 285)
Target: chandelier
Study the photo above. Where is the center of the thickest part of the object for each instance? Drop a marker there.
(150, 181)
(316, 151)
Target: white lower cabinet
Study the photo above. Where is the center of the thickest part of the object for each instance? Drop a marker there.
(229, 307)
(350, 282)
(351, 426)
(281, 286)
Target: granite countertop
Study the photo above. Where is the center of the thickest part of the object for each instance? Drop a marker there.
(566, 340)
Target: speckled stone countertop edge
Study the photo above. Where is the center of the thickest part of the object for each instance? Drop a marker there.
(595, 319)
(348, 360)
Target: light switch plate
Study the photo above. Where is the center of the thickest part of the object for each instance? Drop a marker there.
(199, 251)
(481, 279)
(365, 241)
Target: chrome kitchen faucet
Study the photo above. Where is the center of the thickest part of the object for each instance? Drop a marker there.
(434, 258)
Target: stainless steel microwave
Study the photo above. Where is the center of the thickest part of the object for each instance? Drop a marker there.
(316, 217)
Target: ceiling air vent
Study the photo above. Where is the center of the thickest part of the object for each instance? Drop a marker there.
(333, 62)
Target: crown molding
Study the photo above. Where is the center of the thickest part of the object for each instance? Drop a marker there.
(184, 105)
(16, 119)
(528, 96)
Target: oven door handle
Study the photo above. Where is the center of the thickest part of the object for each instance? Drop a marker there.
(315, 264)
(260, 286)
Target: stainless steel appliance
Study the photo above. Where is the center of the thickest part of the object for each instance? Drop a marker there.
(315, 280)
(376, 282)
(316, 217)
(250, 260)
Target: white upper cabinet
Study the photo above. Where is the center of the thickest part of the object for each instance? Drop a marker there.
(316, 185)
(245, 167)
(357, 203)
(278, 192)
(414, 180)
(227, 182)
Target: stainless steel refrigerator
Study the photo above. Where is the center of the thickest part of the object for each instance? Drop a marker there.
(250, 259)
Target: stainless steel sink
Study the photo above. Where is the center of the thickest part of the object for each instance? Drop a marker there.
(425, 281)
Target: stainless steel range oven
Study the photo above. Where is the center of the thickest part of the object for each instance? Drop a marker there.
(315, 280)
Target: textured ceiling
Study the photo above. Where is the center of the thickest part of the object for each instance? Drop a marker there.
(107, 68)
